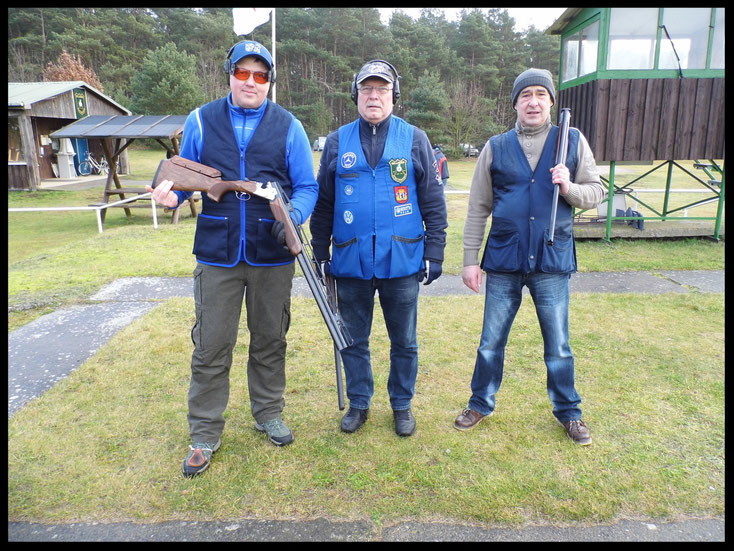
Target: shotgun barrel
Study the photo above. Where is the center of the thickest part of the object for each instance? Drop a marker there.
(561, 153)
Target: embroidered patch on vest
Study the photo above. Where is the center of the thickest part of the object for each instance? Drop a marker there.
(348, 216)
(398, 170)
(403, 210)
(401, 194)
(348, 159)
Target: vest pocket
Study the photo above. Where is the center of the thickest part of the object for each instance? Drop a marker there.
(210, 240)
(501, 254)
(267, 249)
(559, 257)
(345, 259)
(406, 254)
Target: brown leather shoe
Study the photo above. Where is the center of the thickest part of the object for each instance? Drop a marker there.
(468, 419)
(577, 431)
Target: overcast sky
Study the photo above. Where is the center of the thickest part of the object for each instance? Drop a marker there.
(542, 18)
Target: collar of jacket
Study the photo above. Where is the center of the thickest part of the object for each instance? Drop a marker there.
(368, 129)
(532, 130)
(243, 110)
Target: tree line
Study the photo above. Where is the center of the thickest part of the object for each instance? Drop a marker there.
(456, 75)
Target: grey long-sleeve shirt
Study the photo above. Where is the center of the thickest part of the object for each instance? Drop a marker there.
(586, 189)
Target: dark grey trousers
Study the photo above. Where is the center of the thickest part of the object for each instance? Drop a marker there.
(218, 294)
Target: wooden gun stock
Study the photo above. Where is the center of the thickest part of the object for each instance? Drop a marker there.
(189, 175)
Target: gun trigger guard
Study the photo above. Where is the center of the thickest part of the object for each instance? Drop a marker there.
(241, 194)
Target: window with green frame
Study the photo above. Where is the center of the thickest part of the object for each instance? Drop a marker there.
(580, 51)
(638, 41)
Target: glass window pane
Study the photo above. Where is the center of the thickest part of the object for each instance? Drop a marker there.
(15, 142)
(589, 49)
(632, 35)
(689, 33)
(717, 55)
(570, 57)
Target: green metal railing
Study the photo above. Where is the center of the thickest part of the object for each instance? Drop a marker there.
(710, 167)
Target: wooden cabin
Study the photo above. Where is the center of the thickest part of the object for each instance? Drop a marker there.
(35, 111)
(645, 84)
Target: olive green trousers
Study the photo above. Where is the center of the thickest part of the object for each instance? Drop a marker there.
(218, 296)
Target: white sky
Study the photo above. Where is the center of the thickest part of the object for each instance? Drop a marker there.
(542, 18)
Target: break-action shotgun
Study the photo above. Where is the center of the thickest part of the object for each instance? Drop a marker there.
(191, 176)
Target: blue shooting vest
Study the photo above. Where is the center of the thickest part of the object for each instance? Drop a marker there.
(378, 227)
(220, 234)
(518, 238)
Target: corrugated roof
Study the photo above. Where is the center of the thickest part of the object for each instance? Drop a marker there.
(25, 94)
(120, 126)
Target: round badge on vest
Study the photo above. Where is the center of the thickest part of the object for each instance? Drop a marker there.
(348, 160)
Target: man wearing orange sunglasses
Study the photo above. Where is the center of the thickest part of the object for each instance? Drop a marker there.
(238, 252)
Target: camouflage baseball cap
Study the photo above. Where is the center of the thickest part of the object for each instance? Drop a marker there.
(376, 68)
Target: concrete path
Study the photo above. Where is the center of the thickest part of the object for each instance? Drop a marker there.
(703, 530)
(48, 349)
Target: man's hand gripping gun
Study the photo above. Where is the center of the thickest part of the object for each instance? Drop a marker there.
(191, 176)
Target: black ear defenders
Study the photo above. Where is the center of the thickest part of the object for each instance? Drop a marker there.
(395, 86)
(229, 66)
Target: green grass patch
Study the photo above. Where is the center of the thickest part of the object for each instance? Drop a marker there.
(107, 442)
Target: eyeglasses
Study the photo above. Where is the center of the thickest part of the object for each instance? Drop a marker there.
(244, 74)
(381, 90)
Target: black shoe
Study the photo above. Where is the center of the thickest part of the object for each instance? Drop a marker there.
(354, 419)
(404, 422)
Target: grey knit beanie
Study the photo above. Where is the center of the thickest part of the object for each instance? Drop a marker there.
(533, 77)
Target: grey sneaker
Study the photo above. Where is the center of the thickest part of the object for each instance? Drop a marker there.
(277, 431)
(200, 455)
(577, 431)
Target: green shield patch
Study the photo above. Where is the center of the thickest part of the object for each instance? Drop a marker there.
(398, 170)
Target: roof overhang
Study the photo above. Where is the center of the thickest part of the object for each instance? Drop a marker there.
(562, 22)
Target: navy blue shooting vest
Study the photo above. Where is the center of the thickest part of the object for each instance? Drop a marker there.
(518, 238)
(219, 228)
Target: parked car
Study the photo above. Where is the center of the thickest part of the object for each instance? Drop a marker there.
(318, 143)
(469, 150)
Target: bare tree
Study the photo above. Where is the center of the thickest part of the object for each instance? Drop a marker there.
(68, 67)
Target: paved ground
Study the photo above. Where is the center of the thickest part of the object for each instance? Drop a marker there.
(323, 530)
(49, 348)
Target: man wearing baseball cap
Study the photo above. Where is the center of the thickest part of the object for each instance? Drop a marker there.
(513, 181)
(381, 211)
(239, 249)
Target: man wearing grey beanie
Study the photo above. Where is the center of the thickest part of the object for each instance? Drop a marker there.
(513, 181)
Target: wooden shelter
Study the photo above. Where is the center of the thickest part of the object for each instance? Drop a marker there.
(115, 134)
(647, 85)
(35, 111)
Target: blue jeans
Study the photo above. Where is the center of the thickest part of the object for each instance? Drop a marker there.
(502, 301)
(399, 302)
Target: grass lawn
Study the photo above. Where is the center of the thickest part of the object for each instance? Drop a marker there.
(107, 442)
